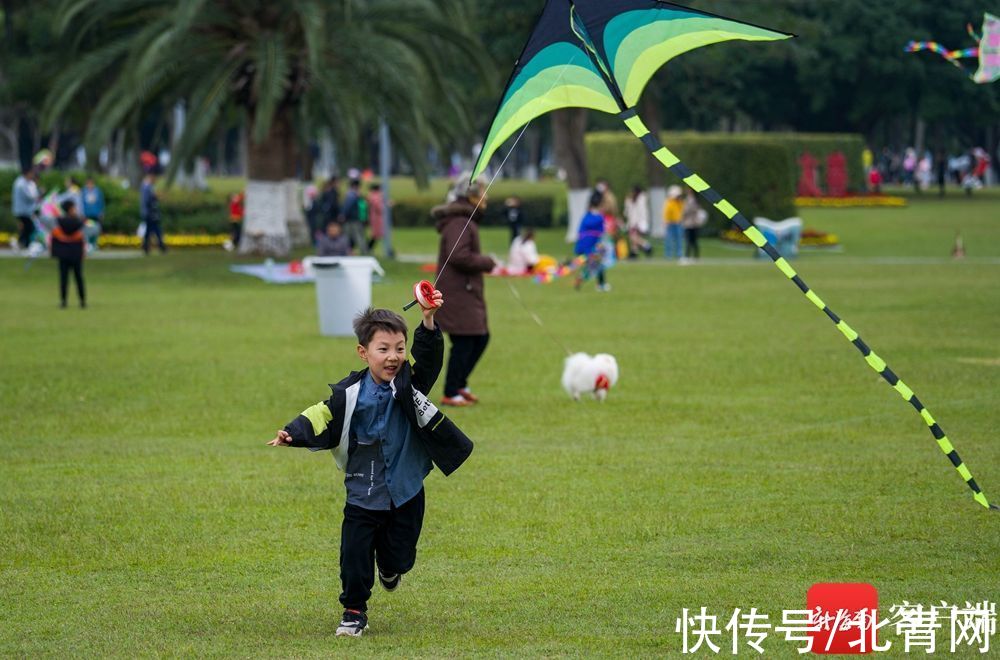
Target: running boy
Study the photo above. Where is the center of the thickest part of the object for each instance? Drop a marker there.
(384, 433)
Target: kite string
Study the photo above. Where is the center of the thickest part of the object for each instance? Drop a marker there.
(495, 175)
(517, 296)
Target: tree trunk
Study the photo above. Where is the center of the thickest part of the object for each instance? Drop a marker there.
(568, 128)
(273, 218)
(919, 131)
(533, 147)
(53, 144)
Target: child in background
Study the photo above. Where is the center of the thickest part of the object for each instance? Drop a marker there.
(523, 253)
(673, 210)
(384, 433)
(590, 246)
(67, 247)
(333, 243)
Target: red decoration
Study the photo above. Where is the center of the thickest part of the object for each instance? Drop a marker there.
(836, 174)
(807, 181)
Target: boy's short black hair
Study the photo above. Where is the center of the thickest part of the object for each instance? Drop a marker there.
(67, 205)
(370, 321)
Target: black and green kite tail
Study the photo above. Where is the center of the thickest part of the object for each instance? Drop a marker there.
(672, 163)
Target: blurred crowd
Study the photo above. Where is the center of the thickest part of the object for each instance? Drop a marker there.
(971, 169)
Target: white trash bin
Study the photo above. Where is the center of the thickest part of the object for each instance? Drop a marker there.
(343, 289)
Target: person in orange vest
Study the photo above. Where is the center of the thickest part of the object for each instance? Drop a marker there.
(67, 246)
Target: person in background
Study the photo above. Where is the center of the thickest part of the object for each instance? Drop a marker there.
(460, 269)
(523, 253)
(333, 243)
(590, 245)
(941, 170)
(73, 191)
(329, 204)
(353, 226)
(637, 219)
(376, 216)
(875, 180)
(67, 246)
(310, 207)
(609, 203)
(149, 212)
(93, 201)
(236, 218)
(24, 204)
(673, 210)
(93, 211)
(692, 219)
(515, 216)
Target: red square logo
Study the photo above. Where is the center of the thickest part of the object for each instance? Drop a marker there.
(843, 617)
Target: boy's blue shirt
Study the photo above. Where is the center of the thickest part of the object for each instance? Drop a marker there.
(387, 465)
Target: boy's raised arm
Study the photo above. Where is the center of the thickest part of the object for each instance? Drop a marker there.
(428, 348)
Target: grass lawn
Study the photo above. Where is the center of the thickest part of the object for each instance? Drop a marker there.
(747, 453)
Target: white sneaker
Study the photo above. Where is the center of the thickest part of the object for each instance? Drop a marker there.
(352, 624)
(604, 288)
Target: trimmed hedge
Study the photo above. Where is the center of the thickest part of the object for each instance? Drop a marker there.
(183, 211)
(753, 174)
(821, 145)
(197, 212)
(415, 211)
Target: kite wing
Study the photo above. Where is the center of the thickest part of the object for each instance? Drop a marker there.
(599, 54)
(637, 37)
(552, 72)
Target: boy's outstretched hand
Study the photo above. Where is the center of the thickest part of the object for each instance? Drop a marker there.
(438, 300)
(283, 439)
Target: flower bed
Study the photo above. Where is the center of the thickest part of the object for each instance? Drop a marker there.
(850, 201)
(133, 241)
(811, 238)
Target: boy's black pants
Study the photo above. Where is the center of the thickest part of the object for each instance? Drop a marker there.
(387, 537)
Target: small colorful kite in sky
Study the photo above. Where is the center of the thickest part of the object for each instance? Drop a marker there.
(988, 50)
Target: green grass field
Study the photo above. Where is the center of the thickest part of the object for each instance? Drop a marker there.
(747, 453)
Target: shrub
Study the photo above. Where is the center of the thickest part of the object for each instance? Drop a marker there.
(415, 211)
(821, 145)
(753, 174)
(207, 212)
(186, 211)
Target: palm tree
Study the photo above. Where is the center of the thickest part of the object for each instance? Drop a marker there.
(292, 67)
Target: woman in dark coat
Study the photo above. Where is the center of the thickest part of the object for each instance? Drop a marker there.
(460, 277)
(68, 248)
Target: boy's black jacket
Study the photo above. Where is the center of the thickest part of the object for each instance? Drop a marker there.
(327, 424)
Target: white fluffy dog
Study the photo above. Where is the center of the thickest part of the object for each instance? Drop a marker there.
(583, 373)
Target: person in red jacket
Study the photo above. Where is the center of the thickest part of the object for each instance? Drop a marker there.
(236, 217)
(68, 247)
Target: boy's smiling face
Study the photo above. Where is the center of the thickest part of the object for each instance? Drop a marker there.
(385, 355)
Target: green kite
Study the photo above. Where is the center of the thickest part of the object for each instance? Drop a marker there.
(599, 54)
